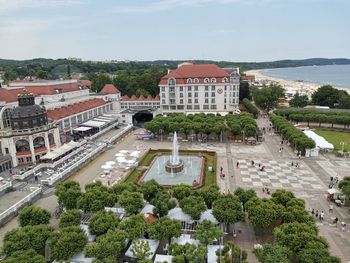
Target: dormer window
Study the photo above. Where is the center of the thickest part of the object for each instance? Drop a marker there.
(196, 81)
(189, 81)
(206, 80)
(224, 80)
(213, 80)
(172, 81)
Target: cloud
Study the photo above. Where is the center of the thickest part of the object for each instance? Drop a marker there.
(6, 5)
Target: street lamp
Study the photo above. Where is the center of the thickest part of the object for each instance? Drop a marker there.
(343, 144)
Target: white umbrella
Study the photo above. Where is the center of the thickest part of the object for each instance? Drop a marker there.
(110, 162)
(106, 167)
(119, 154)
(121, 159)
(130, 161)
(134, 154)
(123, 151)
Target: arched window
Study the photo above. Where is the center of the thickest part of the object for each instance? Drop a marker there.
(189, 81)
(225, 80)
(213, 80)
(172, 81)
(39, 142)
(51, 139)
(196, 80)
(6, 117)
(206, 80)
(22, 146)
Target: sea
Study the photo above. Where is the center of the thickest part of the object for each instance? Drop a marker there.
(335, 75)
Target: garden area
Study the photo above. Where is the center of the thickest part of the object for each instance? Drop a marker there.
(146, 160)
(335, 137)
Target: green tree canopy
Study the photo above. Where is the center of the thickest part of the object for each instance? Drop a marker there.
(209, 194)
(151, 189)
(117, 189)
(33, 215)
(207, 233)
(134, 226)
(102, 221)
(68, 193)
(180, 191)
(163, 204)
(244, 195)
(193, 206)
(108, 247)
(164, 229)
(299, 101)
(326, 96)
(28, 237)
(267, 97)
(231, 253)
(140, 249)
(272, 253)
(132, 202)
(70, 218)
(66, 243)
(188, 253)
(282, 197)
(25, 256)
(319, 255)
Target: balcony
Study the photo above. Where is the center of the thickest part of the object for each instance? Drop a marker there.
(8, 132)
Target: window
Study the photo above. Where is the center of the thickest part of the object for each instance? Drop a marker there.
(163, 88)
(206, 80)
(180, 107)
(213, 107)
(189, 88)
(7, 150)
(206, 88)
(181, 101)
(172, 81)
(165, 107)
(172, 101)
(205, 107)
(213, 100)
(163, 95)
(181, 95)
(195, 88)
(213, 94)
(195, 80)
(196, 107)
(224, 100)
(206, 101)
(206, 94)
(171, 89)
(213, 88)
(66, 123)
(195, 100)
(189, 95)
(163, 101)
(225, 87)
(225, 80)
(181, 88)
(196, 94)
(224, 107)
(189, 100)
(189, 80)
(213, 80)
(73, 120)
(189, 107)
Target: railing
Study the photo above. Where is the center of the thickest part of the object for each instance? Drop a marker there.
(18, 205)
(28, 131)
(121, 133)
(5, 186)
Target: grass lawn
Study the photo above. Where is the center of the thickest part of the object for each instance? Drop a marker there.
(335, 137)
(210, 177)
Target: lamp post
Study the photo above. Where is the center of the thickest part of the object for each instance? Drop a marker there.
(343, 144)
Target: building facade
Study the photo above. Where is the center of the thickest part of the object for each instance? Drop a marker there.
(195, 88)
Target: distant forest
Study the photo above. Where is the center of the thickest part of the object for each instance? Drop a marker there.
(140, 78)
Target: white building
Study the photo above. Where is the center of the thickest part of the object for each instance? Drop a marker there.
(196, 88)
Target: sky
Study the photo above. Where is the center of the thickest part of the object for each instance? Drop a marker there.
(230, 30)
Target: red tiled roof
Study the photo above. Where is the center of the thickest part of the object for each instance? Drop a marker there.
(85, 82)
(60, 113)
(149, 98)
(133, 97)
(157, 98)
(7, 95)
(125, 98)
(141, 98)
(199, 71)
(109, 89)
(249, 77)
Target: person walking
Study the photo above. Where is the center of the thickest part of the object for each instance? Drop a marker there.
(322, 216)
(316, 214)
(237, 164)
(343, 226)
(313, 211)
(252, 162)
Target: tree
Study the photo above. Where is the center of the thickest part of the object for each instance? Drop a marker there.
(299, 101)
(108, 246)
(344, 186)
(41, 74)
(165, 228)
(227, 209)
(344, 102)
(321, 255)
(180, 191)
(134, 226)
(282, 197)
(193, 206)
(271, 253)
(163, 204)
(66, 243)
(267, 97)
(68, 193)
(102, 221)
(207, 233)
(32, 215)
(96, 198)
(70, 218)
(188, 253)
(231, 253)
(250, 131)
(150, 189)
(244, 91)
(210, 194)
(141, 249)
(244, 195)
(25, 256)
(132, 202)
(326, 96)
(251, 108)
(117, 189)
(28, 237)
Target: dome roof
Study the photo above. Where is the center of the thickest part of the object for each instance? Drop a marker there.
(27, 111)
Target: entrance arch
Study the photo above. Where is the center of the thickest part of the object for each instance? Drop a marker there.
(22, 146)
(39, 142)
(141, 117)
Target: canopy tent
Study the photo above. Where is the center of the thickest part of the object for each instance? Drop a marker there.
(147, 209)
(178, 214)
(153, 245)
(121, 159)
(119, 155)
(164, 258)
(321, 142)
(101, 120)
(106, 167)
(208, 215)
(82, 128)
(57, 152)
(184, 239)
(94, 124)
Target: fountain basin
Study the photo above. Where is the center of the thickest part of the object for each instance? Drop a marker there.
(174, 168)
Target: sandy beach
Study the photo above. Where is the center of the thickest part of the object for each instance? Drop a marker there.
(291, 86)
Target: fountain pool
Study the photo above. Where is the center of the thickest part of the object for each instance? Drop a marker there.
(192, 170)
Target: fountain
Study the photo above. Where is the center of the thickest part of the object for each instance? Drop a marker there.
(174, 164)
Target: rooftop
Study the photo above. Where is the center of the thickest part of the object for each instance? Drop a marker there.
(109, 89)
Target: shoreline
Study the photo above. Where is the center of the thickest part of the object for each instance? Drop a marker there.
(291, 86)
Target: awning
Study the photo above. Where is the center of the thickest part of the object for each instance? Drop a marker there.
(95, 124)
(82, 128)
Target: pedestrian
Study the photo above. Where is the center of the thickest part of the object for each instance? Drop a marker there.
(263, 189)
(292, 164)
(259, 165)
(221, 169)
(252, 162)
(336, 221)
(35, 178)
(296, 164)
(330, 208)
(313, 211)
(331, 178)
(299, 156)
(316, 214)
(237, 164)
(336, 179)
(322, 216)
(343, 226)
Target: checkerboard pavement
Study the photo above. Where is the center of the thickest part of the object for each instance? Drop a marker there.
(278, 175)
